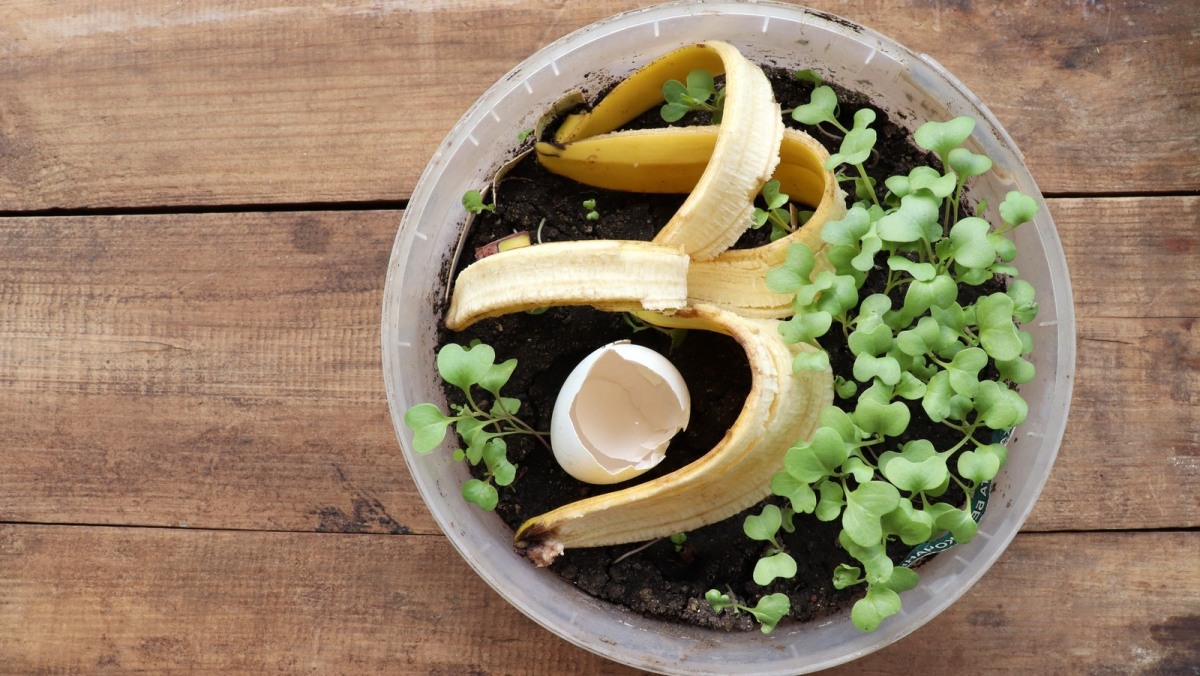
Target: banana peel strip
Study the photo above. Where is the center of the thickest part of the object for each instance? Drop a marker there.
(736, 474)
(742, 159)
(737, 278)
(667, 160)
(619, 276)
(672, 160)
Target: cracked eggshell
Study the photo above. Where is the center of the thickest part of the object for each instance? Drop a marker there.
(617, 412)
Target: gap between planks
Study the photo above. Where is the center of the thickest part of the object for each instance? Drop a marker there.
(402, 204)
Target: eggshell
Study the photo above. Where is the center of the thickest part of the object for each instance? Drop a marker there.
(617, 412)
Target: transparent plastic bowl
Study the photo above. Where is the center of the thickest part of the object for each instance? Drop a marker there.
(898, 80)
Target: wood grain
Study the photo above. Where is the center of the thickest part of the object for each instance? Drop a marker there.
(217, 370)
(1131, 454)
(86, 599)
(166, 103)
(222, 371)
(1135, 416)
(1131, 257)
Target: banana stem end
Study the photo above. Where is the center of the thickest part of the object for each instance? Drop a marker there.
(540, 550)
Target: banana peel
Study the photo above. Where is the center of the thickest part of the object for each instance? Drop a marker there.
(743, 156)
(737, 278)
(671, 161)
(618, 276)
(643, 89)
(686, 277)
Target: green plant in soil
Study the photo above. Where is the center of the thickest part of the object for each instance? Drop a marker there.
(778, 212)
(482, 422)
(912, 341)
(765, 526)
(769, 610)
(857, 141)
(808, 75)
(472, 201)
(698, 94)
(637, 325)
(889, 284)
(678, 541)
(592, 214)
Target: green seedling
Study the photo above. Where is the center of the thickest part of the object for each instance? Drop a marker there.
(778, 212)
(775, 563)
(472, 200)
(699, 93)
(592, 214)
(769, 610)
(857, 140)
(637, 325)
(808, 75)
(482, 422)
(915, 347)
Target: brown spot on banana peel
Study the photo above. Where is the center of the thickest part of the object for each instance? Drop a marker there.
(539, 546)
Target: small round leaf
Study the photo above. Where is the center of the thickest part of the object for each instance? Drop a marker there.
(769, 568)
(481, 493)
(428, 424)
(765, 525)
(820, 107)
(1018, 208)
(801, 495)
(464, 367)
(967, 164)
(770, 610)
(871, 610)
(942, 137)
(971, 247)
(833, 499)
(846, 576)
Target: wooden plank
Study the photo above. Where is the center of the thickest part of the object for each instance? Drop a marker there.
(122, 104)
(1132, 257)
(1131, 454)
(156, 599)
(210, 370)
(222, 371)
(81, 599)
(1090, 603)
(1132, 447)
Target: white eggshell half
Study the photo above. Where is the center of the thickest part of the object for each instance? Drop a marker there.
(617, 412)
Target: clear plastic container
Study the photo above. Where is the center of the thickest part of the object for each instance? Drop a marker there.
(897, 79)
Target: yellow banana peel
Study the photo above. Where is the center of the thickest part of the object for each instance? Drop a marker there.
(743, 156)
(671, 161)
(643, 89)
(618, 276)
(687, 277)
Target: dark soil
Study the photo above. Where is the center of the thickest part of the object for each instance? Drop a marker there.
(663, 580)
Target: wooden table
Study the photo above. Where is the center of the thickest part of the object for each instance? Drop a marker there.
(197, 204)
